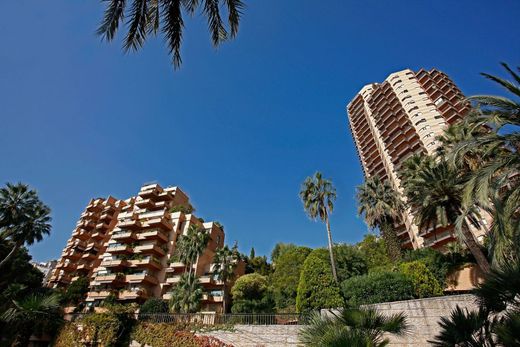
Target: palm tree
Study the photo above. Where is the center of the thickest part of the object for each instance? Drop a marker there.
(495, 184)
(224, 265)
(36, 313)
(381, 207)
(318, 196)
(352, 327)
(186, 295)
(496, 322)
(191, 246)
(148, 17)
(435, 196)
(24, 219)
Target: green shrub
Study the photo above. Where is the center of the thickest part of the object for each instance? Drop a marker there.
(317, 288)
(284, 280)
(76, 291)
(374, 251)
(154, 305)
(251, 294)
(377, 287)
(424, 282)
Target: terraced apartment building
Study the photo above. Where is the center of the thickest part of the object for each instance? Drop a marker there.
(395, 119)
(125, 248)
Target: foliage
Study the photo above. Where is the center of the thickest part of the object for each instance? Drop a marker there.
(258, 265)
(224, 264)
(186, 295)
(251, 294)
(34, 314)
(186, 209)
(349, 261)
(154, 305)
(24, 218)
(279, 249)
(381, 207)
(374, 251)
(190, 246)
(424, 282)
(148, 17)
(317, 288)
(496, 322)
(76, 291)
(352, 327)
(318, 196)
(284, 280)
(18, 270)
(377, 287)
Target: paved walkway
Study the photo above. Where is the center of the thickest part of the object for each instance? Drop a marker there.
(259, 335)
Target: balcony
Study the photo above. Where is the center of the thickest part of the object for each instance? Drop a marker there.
(209, 280)
(95, 205)
(89, 256)
(115, 264)
(119, 249)
(211, 298)
(79, 245)
(108, 278)
(98, 235)
(87, 225)
(162, 223)
(133, 294)
(130, 224)
(150, 191)
(73, 255)
(141, 278)
(98, 295)
(80, 234)
(173, 279)
(63, 279)
(145, 203)
(103, 226)
(83, 267)
(68, 266)
(153, 235)
(124, 236)
(150, 249)
(107, 217)
(148, 263)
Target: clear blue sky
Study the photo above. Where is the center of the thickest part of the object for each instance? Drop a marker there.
(238, 128)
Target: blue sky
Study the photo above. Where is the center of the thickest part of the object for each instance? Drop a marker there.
(238, 127)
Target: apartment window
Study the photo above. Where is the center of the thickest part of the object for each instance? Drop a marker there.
(439, 101)
(421, 121)
(404, 91)
(429, 135)
(413, 109)
(407, 97)
(397, 82)
(431, 143)
(409, 103)
(399, 87)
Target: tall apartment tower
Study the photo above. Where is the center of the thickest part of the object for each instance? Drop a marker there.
(393, 120)
(126, 248)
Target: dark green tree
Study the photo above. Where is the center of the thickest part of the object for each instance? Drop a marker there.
(251, 294)
(154, 305)
(24, 219)
(77, 291)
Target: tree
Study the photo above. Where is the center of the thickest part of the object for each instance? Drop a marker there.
(191, 246)
(224, 265)
(496, 322)
(24, 219)
(258, 265)
(352, 327)
(186, 295)
(279, 249)
(19, 270)
(494, 185)
(318, 196)
(317, 288)
(381, 207)
(154, 305)
(286, 275)
(349, 260)
(424, 282)
(145, 18)
(435, 195)
(76, 291)
(36, 313)
(374, 251)
(251, 295)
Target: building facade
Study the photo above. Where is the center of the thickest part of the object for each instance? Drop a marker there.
(126, 248)
(400, 117)
(47, 268)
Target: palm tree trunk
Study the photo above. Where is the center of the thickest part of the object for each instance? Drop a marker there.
(475, 249)
(332, 262)
(393, 245)
(224, 299)
(11, 254)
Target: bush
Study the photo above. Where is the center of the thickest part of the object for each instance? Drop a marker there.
(251, 294)
(424, 282)
(317, 288)
(374, 251)
(76, 291)
(284, 280)
(377, 287)
(154, 305)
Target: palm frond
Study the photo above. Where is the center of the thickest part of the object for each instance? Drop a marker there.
(114, 14)
(215, 23)
(235, 11)
(173, 26)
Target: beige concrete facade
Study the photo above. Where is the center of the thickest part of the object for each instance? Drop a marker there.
(393, 120)
(130, 254)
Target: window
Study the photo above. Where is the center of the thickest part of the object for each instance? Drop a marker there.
(431, 143)
(421, 121)
(439, 101)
